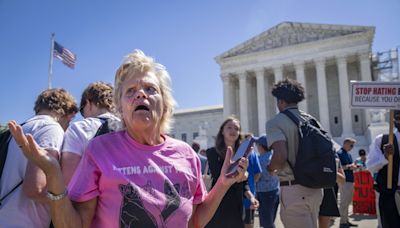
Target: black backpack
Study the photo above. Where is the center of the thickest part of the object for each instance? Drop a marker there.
(108, 125)
(5, 138)
(315, 160)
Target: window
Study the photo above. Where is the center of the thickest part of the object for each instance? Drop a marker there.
(195, 134)
(183, 137)
(356, 118)
(336, 120)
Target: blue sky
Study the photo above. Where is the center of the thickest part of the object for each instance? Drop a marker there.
(185, 36)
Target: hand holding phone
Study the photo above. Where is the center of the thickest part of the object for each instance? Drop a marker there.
(243, 151)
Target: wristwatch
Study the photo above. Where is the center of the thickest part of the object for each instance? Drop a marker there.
(53, 197)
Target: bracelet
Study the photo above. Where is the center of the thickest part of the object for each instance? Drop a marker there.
(53, 197)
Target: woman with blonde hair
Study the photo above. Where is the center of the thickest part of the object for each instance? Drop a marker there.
(136, 177)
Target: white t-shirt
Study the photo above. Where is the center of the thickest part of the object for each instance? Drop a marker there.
(17, 210)
(79, 133)
(376, 159)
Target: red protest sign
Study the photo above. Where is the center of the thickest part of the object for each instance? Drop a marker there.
(364, 194)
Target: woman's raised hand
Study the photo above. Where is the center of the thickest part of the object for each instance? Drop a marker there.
(32, 151)
(242, 168)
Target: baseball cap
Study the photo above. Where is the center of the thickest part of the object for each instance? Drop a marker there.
(262, 140)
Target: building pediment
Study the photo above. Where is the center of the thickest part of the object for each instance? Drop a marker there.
(293, 33)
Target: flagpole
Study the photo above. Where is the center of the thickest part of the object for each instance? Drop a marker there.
(51, 60)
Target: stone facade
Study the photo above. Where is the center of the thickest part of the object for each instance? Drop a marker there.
(324, 58)
(200, 125)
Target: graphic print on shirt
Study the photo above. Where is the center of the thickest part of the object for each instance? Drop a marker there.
(133, 213)
(148, 187)
(173, 200)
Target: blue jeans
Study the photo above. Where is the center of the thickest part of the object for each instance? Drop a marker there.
(269, 202)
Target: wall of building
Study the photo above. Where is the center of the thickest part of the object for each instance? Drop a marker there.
(197, 123)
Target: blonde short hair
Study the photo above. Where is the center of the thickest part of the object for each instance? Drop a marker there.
(56, 100)
(138, 63)
(101, 94)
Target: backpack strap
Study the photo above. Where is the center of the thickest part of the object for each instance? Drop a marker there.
(295, 121)
(5, 140)
(103, 129)
(12, 190)
(309, 119)
(291, 116)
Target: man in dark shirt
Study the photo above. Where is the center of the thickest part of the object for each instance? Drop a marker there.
(346, 189)
(377, 163)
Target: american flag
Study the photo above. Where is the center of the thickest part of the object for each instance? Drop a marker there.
(65, 55)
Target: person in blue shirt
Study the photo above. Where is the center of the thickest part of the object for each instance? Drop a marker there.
(346, 189)
(203, 159)
(254, 172)
(267, 186)
(360, 161)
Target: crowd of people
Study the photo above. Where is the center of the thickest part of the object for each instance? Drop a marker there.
(67, 174)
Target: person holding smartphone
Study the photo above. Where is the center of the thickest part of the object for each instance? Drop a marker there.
(230, 210)
(346, 189)
(136, 177)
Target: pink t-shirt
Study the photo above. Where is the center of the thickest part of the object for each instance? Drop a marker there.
(138, 185)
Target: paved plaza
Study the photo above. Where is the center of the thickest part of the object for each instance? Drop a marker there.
(363, 221)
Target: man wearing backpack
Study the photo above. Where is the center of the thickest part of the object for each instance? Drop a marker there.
(97, 107)
(389, 199)
(299, 204)
(23, 185)
(346, 189)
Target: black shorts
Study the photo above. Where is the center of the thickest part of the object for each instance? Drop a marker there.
(249, 216)
(329, 205)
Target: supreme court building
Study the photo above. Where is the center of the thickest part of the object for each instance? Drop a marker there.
(322, 57)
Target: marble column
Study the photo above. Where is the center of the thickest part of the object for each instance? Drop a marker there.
(228, 95)
(322, 94)
(300, 77)
(365, 67)
(261, 101)
(244, 117)
(347, 127)
(366, 76)
(278, 73)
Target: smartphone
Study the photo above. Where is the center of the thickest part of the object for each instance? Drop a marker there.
(243, 151)
(337, 163)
